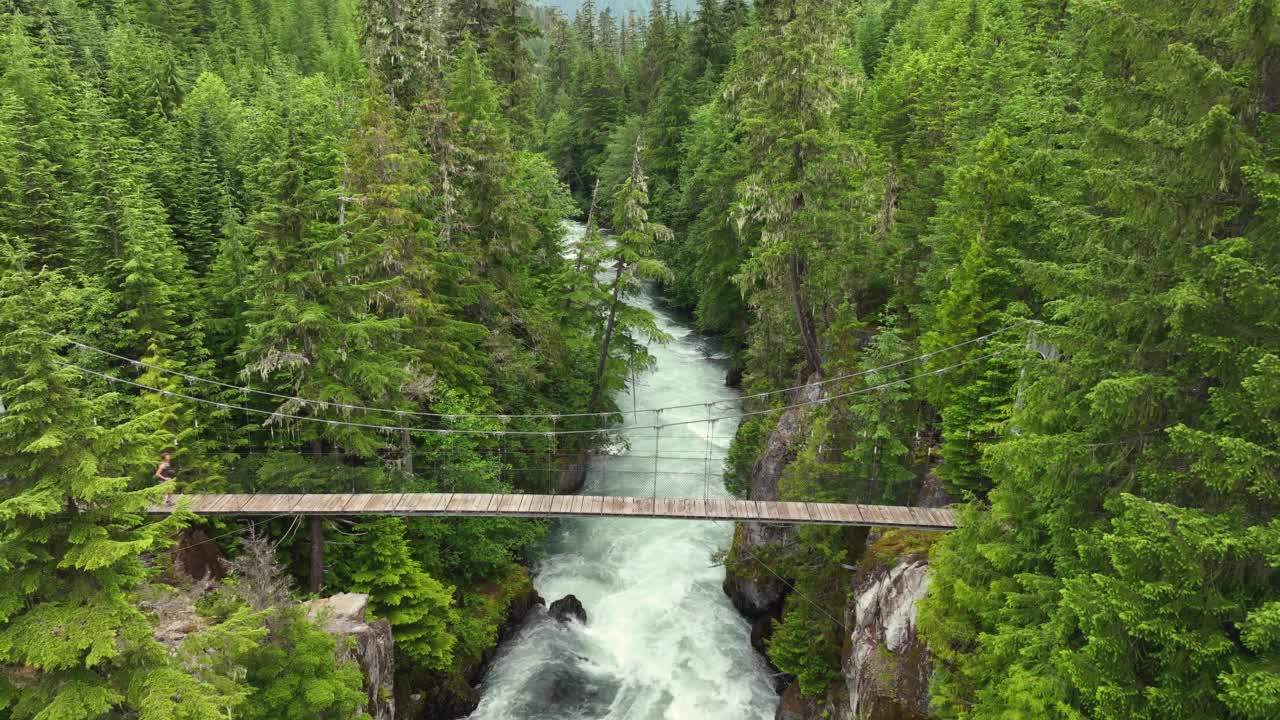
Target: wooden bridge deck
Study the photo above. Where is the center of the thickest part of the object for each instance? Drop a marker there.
(551, 506)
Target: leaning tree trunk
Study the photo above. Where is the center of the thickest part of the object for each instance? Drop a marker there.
(608, 337)
(804, 320)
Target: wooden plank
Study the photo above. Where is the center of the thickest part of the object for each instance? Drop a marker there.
(794, 511)
(768, 510)
(899, 516)
(920, 517)
(198, 503)
(269, 505)
(822, 511)
(566, 505)
(221, 504)
(691, 508)
(415, 503)
(887, 517)
(465, 503)
(906, 516)
(873, 515)
(884, 517)
(421, 503)
(506, 504)
(375, 503)
(848, 514)
(943, 517)
(612, 506)
(321, 503)
(356, 500)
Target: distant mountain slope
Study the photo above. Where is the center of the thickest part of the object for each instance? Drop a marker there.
(619, 7)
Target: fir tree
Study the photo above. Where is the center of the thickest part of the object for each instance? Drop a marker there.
(419, 608)
(631, 261)
(73, 526)
(786, 88)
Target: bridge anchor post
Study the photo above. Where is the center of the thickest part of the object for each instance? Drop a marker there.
(317, 554)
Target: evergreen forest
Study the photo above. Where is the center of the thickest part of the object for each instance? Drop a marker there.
(1037, 242)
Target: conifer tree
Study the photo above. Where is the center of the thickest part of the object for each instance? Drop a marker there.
(73, 527)
(316, 329)
(786, 86)
(404, 43)
(419, 608)
(510, 61)
(632, 262)
(44, 143)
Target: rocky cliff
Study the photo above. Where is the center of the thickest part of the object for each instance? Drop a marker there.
(755, 592)
(344, 615)
(884, 664)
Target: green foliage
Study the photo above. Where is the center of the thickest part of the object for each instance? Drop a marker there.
(419, 608)
(295, 676)
(805, 644)
(71, 525)
(222, 185)
(1096, 184)
(631, 259)
(320, 198)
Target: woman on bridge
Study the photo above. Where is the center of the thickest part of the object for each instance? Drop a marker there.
(164, 473)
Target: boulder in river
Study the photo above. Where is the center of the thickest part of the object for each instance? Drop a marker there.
(567, 608)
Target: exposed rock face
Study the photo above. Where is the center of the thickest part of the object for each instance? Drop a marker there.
(197, 557)
(733, 376)
(933, 492)
(568, 608)
(783, 443)
(754, 591)
(886, 669)
(345, 614)
(571, 474)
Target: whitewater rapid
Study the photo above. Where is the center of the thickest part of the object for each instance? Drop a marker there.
(662, 642)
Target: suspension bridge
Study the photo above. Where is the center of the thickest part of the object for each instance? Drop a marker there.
(558, 506)
(549, 505)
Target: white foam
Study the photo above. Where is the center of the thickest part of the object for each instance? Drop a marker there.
(662, 642)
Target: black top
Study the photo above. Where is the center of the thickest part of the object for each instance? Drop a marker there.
(166, 471)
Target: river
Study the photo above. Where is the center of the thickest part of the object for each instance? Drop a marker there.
(662, 641)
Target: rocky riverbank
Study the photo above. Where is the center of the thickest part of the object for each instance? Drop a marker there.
(884, 664)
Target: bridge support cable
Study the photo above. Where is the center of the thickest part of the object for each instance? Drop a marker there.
(246, 389)
(706, 460)
(657, 452)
